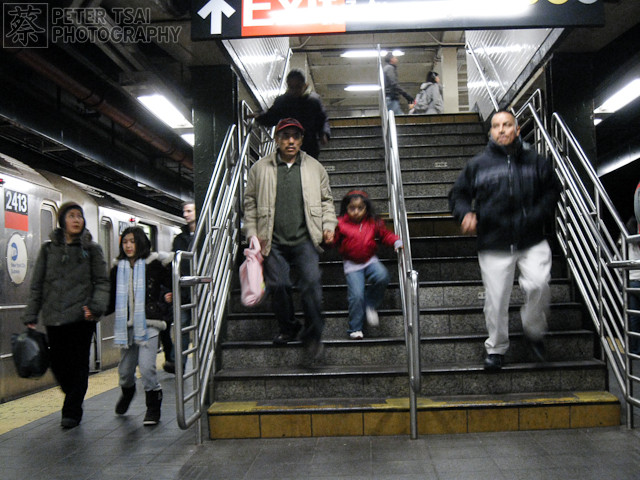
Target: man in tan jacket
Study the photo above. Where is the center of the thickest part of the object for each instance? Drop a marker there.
(288, 206)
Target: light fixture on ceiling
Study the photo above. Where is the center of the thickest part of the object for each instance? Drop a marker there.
(596, 121)
(165, 110)
(622, 97)
(190, 138)
(369, 53)
(362, 88)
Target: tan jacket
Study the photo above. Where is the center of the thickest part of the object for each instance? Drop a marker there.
(260, 200)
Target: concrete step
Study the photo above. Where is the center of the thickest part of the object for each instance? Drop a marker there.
(335, 382)
(435, 350)
(318, 417)
(262, 326)
(431, 295)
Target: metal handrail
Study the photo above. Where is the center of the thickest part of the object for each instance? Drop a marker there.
(407, 276)
(588, 227)
(210, 265)
(472, 52)
(594, 241)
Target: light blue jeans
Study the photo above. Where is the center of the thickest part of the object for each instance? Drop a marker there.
(394, 106)
(143, 356)
(361, 295)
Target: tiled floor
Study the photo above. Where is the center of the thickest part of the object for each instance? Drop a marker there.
(119, 448)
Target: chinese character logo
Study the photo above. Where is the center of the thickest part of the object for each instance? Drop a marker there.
(24, 25)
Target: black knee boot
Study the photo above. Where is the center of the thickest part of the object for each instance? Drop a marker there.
(154, 400)
(125, 399)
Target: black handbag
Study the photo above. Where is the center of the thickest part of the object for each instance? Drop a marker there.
(30, 353)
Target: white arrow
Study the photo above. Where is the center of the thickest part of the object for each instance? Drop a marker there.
(216, 8)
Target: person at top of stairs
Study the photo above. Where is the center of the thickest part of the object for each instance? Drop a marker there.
(288, 205)
(515, 191)
(356, 233)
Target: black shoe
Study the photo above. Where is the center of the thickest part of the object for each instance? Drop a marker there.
(154, 402)
(125, 400)
(68, 422)
(283, 338)
(493, 361)
(169, 367)
(312, 354)
(538, 350)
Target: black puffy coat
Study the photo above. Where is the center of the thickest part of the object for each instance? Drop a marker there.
(513, 196)
(67, 277)
(157, 284)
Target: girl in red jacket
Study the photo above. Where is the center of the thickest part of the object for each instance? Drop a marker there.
(356, 233)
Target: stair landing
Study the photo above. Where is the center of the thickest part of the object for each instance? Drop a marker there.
(437, 415)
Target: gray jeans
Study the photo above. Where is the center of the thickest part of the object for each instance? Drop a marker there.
(144, 357)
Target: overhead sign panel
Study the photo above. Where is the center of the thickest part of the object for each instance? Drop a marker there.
(260, 18)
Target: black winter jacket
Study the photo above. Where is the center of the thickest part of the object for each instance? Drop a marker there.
(158, 283)
(67, 277)
(308, 110)
(513, 195)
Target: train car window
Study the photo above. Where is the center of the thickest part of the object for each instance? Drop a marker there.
(152, 234)
(47, 219)
(105, 239)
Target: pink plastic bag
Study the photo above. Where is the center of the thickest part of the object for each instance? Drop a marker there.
(251, 279)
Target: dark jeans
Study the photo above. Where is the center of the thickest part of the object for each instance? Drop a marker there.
(69, 347)
(277, 273)
(167, 342)
(634, 319)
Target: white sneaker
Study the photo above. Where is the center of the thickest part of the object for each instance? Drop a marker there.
(356, 335)
(372, 317)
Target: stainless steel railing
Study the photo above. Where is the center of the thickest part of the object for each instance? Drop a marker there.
(595, 242)
(206, 270)
(407, 276)
(592, 236)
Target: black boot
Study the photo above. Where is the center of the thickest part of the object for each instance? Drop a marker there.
(154, 400)
(125, 400)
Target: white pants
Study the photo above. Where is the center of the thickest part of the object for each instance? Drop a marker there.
(498, 270)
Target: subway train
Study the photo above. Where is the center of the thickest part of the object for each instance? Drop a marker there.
(31, 200)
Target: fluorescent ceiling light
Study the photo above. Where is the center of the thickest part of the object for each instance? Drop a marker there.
(369, 53)
(622, 97)
(190, 138)
(165, 111)
(362, 88)
(596, 121)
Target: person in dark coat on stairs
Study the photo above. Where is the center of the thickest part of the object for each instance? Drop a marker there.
(505, 195)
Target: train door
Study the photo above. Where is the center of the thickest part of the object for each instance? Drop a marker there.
(102, 353)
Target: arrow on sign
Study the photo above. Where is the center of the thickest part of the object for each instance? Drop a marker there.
(216, 8)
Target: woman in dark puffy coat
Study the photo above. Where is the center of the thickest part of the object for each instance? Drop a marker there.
(140, 296)
(69, 292)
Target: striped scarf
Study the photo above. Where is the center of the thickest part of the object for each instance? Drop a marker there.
(124, 312)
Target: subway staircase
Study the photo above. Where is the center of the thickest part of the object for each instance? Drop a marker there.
(362, 386)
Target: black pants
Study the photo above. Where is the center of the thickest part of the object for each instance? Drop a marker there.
(277, 273)
(69, 346)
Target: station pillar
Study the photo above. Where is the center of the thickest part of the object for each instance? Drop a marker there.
(215, 96)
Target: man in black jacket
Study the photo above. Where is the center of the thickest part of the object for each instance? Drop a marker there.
(301, 103)
(505, 195)
(182, 241)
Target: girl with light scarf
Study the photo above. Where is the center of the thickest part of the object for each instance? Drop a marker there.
(140, 296)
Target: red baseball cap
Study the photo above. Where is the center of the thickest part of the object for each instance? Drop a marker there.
(289, 122)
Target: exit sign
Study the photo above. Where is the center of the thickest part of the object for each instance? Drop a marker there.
(261, 18)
